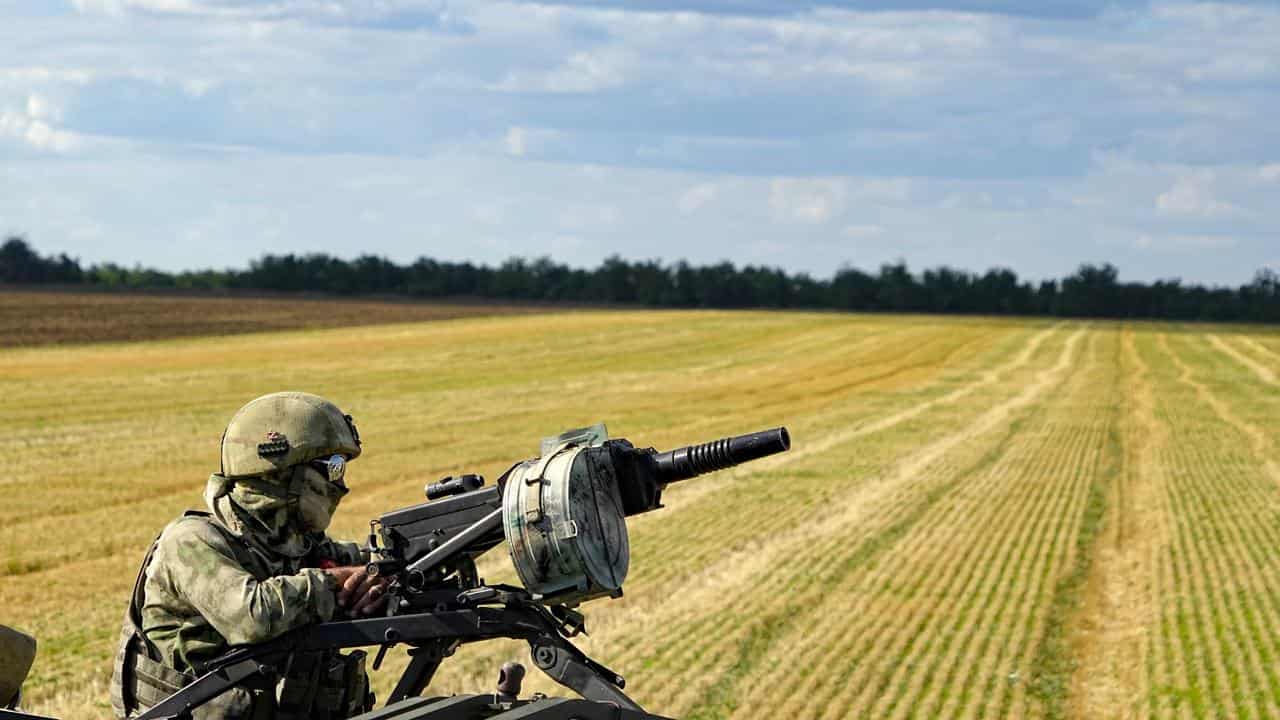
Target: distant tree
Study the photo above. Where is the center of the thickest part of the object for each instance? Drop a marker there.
(654, 286)
(19, 263)
(809, 293)
(1261, 298)
(1092, 291)
(852, 289)
(947, 290)
(898, 289)
(684, 285)
(1001, 293)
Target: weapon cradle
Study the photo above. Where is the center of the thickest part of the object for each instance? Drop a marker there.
(431, 637)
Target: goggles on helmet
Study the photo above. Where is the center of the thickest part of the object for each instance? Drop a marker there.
(333, 468)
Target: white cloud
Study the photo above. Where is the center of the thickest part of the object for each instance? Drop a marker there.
(1205, 242)
(815, 201)
(889, 76)
(39, 108)
(581, 72)
(1147, 241)
(521, 141)
(881, 52)
(1269, 173)
(1233, 67)
(893, 33)
(1192, 195)
(807, 200)
(1087, 201)
(589, 217)
(514, 141)
(36, 133)
(862, 232)
(560, 245)
(108, 7)
(489, 213)
(1214, 17)
(1056, 132)
(971, 199)
(697, 197)
(45, 74)
(198, 87)
(883, 190)
(120, 7)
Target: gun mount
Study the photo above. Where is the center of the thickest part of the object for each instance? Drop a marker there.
(562, 516)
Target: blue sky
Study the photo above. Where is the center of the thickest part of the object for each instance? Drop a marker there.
(974, 133)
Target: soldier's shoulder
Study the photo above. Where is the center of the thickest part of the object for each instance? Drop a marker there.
(193, 528)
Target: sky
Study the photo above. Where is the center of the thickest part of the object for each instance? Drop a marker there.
(1030, 134)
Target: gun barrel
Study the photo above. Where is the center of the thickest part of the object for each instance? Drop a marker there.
(693, 460)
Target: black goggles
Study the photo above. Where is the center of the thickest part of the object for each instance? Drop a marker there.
(333, 468)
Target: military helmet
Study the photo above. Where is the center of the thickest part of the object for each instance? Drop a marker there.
(283, 429)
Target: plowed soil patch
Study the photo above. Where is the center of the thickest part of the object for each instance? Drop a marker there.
(54, 318)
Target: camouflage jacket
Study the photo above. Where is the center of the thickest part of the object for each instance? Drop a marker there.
(243, 573)
(206, 589)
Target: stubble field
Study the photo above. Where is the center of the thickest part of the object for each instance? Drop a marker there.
(979, 518)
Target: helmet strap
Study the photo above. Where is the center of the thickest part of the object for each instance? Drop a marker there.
(222, 443)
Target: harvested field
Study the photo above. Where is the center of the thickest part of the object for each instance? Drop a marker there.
(979, 518)
(32, 318)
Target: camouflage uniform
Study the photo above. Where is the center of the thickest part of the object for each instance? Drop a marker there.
(242, 573)
(217, 581)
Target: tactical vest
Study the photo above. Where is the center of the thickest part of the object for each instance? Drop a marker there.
(324, 685)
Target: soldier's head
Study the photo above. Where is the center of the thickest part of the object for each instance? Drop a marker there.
(296, 444)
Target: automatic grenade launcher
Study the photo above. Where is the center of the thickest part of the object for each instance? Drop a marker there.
(562, 515)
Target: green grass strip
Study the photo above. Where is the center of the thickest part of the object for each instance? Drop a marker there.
(1054, 662)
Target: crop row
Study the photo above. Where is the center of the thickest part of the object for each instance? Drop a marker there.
(1218, 583)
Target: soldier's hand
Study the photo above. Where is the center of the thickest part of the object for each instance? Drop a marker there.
(342, 575)
(370, 595)
(359, 592)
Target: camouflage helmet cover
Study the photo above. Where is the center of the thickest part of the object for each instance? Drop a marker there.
(283, 429)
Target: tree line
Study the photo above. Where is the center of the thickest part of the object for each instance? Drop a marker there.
(1092, 291)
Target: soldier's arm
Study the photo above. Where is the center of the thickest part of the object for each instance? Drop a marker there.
(339, 552)
(358, 593)
(195, 560)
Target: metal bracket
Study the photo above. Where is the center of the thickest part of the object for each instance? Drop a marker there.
(423, 663)
(434, 634)
(205, 688)
(534, 483)
(568, 666)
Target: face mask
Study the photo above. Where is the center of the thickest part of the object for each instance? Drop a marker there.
(317, 499)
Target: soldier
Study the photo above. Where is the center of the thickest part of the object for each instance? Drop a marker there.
(256, 565)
